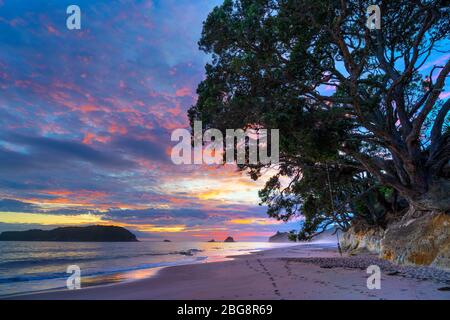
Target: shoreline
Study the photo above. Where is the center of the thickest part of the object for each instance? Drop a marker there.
(104, 263)
(297, 272)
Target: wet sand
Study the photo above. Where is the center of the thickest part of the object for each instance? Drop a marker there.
(297, 272)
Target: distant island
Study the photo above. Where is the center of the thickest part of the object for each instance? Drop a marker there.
(72, 234)
(167, 240)
(326, 236)
(229, 239)
(212, 240)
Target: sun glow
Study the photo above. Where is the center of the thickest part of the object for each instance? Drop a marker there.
(258, 221)
(49, 219)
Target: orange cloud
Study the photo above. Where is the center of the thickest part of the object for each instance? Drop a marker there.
(114, 128)
(90, 137)
(89, 108)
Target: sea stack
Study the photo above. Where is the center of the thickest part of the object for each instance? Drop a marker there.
(229, 239)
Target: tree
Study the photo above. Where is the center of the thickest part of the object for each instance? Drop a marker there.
(350, 102)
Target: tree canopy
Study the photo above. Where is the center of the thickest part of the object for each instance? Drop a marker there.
(363, 132)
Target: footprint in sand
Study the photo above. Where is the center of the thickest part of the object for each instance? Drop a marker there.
(274, 284)
(288, 269)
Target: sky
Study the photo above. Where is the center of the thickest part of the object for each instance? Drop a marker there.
(86, 117)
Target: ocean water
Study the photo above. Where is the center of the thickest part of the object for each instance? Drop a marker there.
(38, 266)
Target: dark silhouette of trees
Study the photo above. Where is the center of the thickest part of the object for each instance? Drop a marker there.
(362, 131)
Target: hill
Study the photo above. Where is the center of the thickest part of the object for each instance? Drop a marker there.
(72, 234)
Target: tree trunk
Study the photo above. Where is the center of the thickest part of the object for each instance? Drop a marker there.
(437, 198)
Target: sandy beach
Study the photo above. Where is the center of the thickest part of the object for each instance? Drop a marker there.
(282, 273)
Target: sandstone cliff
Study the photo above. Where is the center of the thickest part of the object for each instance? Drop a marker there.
(417, 239)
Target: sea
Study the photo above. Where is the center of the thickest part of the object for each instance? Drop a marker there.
(27, 267)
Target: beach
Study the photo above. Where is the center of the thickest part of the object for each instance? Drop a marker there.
(291, 273)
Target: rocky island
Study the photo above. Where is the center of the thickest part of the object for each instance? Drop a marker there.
(229, 239)
(72, 234)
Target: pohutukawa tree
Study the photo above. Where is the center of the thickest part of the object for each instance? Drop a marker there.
(358, 119)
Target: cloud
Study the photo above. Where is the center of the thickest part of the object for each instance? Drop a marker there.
(146, 149)
(152, 213)
(10, 205)
(12, 160)
(43, 147)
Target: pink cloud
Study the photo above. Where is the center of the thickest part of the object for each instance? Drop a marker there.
(89, 138)
(52, 30)
(115, 128)
(444, 95)
(183, 92)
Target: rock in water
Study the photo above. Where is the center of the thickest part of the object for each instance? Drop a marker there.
(229, 239)
(72, 234)
(212, 240)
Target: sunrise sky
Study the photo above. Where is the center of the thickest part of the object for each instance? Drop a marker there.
(86, 117)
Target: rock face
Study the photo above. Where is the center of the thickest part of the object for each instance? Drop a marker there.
(355, 240)
(418, 239)
(280, 237)
(72, 234)
(229, 239)
(424, 240)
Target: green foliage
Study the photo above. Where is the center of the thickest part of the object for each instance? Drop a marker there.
(346, 113)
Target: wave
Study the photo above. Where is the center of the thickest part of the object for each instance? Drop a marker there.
(63, 275)
(73, 260)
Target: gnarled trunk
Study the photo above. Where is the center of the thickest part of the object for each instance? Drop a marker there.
(437, 198)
